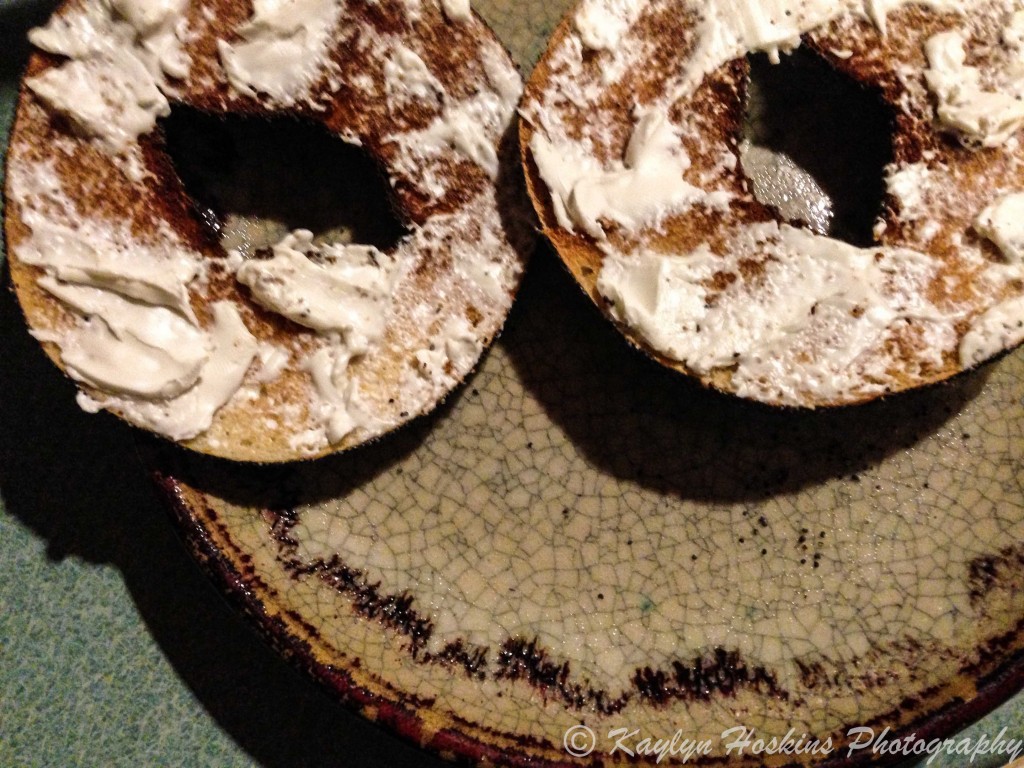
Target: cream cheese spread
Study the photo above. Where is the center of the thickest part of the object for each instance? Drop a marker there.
(338, 409)
(733, 28)
(120, 56)
(457, 10)
(138, 341)
(331, 288)
(283, 48)
(601, 25)
(981, 116)
(473, 126)
(908, 185)
(1002, 327)
(456, 346)
(126, 347)
(1003, 224)
(819, 309)
(728, 30)
(407, 77)
(464, 127)
(346, 294)
(155, 275)
(342, 291)
(232, 351)
(638, 191)
(470, 126)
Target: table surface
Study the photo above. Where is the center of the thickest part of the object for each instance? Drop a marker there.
(114, 648)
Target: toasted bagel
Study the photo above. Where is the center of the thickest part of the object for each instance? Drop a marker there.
(285, 349)
(631, 140)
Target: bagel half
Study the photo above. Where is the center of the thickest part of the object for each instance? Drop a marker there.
(294, 347)
(631, 140)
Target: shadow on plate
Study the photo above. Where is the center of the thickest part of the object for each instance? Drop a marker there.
(640, 422)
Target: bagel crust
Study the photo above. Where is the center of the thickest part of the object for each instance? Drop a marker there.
(631, 140)
(283, 348)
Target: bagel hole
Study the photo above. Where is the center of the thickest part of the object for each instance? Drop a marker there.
(816, 146)
(253, 180)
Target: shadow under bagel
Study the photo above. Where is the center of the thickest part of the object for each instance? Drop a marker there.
(641, 422)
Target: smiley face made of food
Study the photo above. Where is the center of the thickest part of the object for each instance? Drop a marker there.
(631, 139)
(303, 345)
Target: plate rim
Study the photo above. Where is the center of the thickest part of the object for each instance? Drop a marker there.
(992, 689)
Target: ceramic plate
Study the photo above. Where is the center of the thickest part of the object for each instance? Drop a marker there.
(579, 538)
(581, 551)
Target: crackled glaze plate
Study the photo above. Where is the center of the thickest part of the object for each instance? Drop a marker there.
(580, 542)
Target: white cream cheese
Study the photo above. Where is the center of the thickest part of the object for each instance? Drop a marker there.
(504, 79)
(345, 293)
(338, 409)
(331, 288)
(232, 350)
(469, 127)
(120, 56)
(155, 275)
(455, 347)
(908, 184)
(105, 256)
(1003, 224)
(283, 48)
(460, 127)
(406, 76)
(159, 371)
(472, 127)
(138, 340)
(879, 10)
(491, 278)
(601, 24)
(128, 348)
(113, 100)
(273, 360)
(457, 10)
(772, 25)
(733, 28)
(638, 191)
(1002, 327)
(806, 326)
(980, 116)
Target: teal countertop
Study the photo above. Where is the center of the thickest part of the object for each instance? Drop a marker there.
(115, 650)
